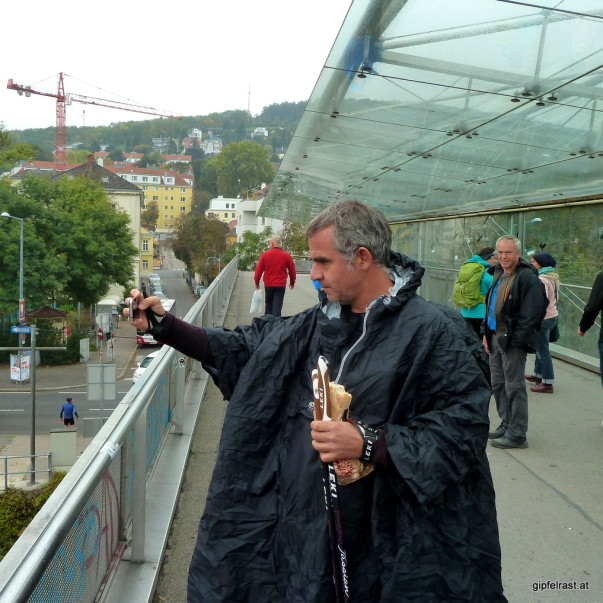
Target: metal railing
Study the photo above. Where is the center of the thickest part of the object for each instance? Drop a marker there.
(4, 460)
(68, 551)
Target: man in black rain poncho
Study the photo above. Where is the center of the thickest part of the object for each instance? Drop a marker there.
(422, 526)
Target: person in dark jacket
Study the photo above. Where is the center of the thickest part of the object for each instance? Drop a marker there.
(515, 307)
(275, 264)
(592, 308)
(422, 525)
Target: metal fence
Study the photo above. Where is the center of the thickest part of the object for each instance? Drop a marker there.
(6, 461)
(71, 547)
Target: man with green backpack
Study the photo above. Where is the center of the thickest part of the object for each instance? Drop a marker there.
(471, 286)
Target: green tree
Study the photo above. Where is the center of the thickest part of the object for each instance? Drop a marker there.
(148, 218)
(117, 155)
(79, 156)
(241, 166)
(195, 153)
(201, 200)
(249, 249)
(197, 238)
(293, 238)
(41, 268)
(10, 152)
(181, 167)
(41, 154)
(76, 242)
(207, 179)
(153, 158)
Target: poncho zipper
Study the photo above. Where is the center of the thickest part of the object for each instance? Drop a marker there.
(368, 308)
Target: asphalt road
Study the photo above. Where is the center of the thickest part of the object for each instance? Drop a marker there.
(15, 415)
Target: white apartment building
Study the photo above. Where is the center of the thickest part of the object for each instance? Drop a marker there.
(249, 220)
(223, 208)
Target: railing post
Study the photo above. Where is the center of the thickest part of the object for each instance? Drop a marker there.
(180, 383)
(139, 488)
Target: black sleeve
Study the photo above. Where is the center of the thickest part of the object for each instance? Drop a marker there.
(184, 337)
(594, 304)
(529, 310)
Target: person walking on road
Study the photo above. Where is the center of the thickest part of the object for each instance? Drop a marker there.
(592, 308)
(275, 264)
(68, 413)
(515, 307)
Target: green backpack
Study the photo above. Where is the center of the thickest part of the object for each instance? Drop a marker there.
(465, 292)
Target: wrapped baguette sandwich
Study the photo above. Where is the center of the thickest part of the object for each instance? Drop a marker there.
(337, 404)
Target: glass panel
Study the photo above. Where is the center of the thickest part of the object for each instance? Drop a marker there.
(572, 235)
(420, 111)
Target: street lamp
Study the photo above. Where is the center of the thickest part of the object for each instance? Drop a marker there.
(215, 258)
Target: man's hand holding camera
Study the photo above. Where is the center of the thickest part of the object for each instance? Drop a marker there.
(136, 306)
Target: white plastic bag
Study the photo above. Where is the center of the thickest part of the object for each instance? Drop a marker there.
(256, 302)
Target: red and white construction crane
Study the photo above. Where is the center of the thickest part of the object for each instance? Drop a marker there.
(66, 99)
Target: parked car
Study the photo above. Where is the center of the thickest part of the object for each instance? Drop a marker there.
(199, 290)
(142, 366)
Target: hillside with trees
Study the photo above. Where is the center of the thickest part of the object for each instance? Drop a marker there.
(127, 136)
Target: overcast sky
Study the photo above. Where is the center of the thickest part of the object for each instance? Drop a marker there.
(189, 57)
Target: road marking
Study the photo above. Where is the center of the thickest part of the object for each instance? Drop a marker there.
(12, 410)
(98, 409)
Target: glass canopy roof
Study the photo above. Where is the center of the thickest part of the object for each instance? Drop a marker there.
(446, 107)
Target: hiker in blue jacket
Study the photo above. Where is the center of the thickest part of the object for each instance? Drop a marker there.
(475, 316)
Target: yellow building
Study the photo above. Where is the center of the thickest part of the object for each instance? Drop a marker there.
(172, 191)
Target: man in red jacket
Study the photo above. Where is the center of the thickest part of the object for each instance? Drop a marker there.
(274, 264)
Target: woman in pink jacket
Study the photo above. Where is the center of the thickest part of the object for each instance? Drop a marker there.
(544, 376)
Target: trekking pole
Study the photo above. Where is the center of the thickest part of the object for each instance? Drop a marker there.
(323, 412)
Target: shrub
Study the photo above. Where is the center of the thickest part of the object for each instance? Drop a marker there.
(18, 507)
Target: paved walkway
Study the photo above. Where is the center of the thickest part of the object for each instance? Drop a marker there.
(549, 496)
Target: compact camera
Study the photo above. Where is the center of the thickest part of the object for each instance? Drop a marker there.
(134, 312)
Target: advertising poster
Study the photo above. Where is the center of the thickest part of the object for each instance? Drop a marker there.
(23, 373)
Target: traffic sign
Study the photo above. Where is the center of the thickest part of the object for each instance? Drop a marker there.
(20, 329)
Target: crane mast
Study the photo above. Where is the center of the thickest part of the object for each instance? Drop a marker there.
(60, 146)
